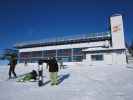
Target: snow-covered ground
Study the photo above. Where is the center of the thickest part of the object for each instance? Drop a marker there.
(78, 82)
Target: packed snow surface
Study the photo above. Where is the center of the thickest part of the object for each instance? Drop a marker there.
(77, 82)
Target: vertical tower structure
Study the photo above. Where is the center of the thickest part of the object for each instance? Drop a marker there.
(117, 32)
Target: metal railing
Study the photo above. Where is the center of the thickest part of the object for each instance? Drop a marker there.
(66, 38)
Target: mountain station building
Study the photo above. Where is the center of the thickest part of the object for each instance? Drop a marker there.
(92, 48)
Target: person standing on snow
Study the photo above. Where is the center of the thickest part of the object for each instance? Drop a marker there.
(12, 63)
(53, 70)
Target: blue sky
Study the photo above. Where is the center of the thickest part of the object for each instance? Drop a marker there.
(25, 20)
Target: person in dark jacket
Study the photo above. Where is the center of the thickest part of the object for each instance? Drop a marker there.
(53, 70)
(12, 63)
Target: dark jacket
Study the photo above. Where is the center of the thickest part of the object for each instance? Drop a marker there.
(13, 62)
(53, 65)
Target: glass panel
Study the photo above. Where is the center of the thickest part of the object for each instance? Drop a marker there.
(24, 60)
(65, 59)
(25, 55)
(35, 60)
(49, 53)
(36, 54)
(64, 52)
(77, 58)
(77, 51)
(96, 57)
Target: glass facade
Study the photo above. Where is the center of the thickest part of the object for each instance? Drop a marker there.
(25, 54)
(65, 59)
(24, 60)
(77, 58)
(36, 54)
(77, 51)
(77, 54)
(66, 55)
(49, 53)
(64, 52)
(35, 60)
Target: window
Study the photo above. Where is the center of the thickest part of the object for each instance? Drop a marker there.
(77, 58)
(64, 52)
(77, 51)
(49, 53)
(36, 54)
(65, 59)
(24, 60)
(96, 57)
(35, 60)
(25, 55)
(119, 52)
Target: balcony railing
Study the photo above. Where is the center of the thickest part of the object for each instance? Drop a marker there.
(66, 38)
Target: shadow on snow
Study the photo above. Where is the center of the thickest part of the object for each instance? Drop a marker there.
(63, 77)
